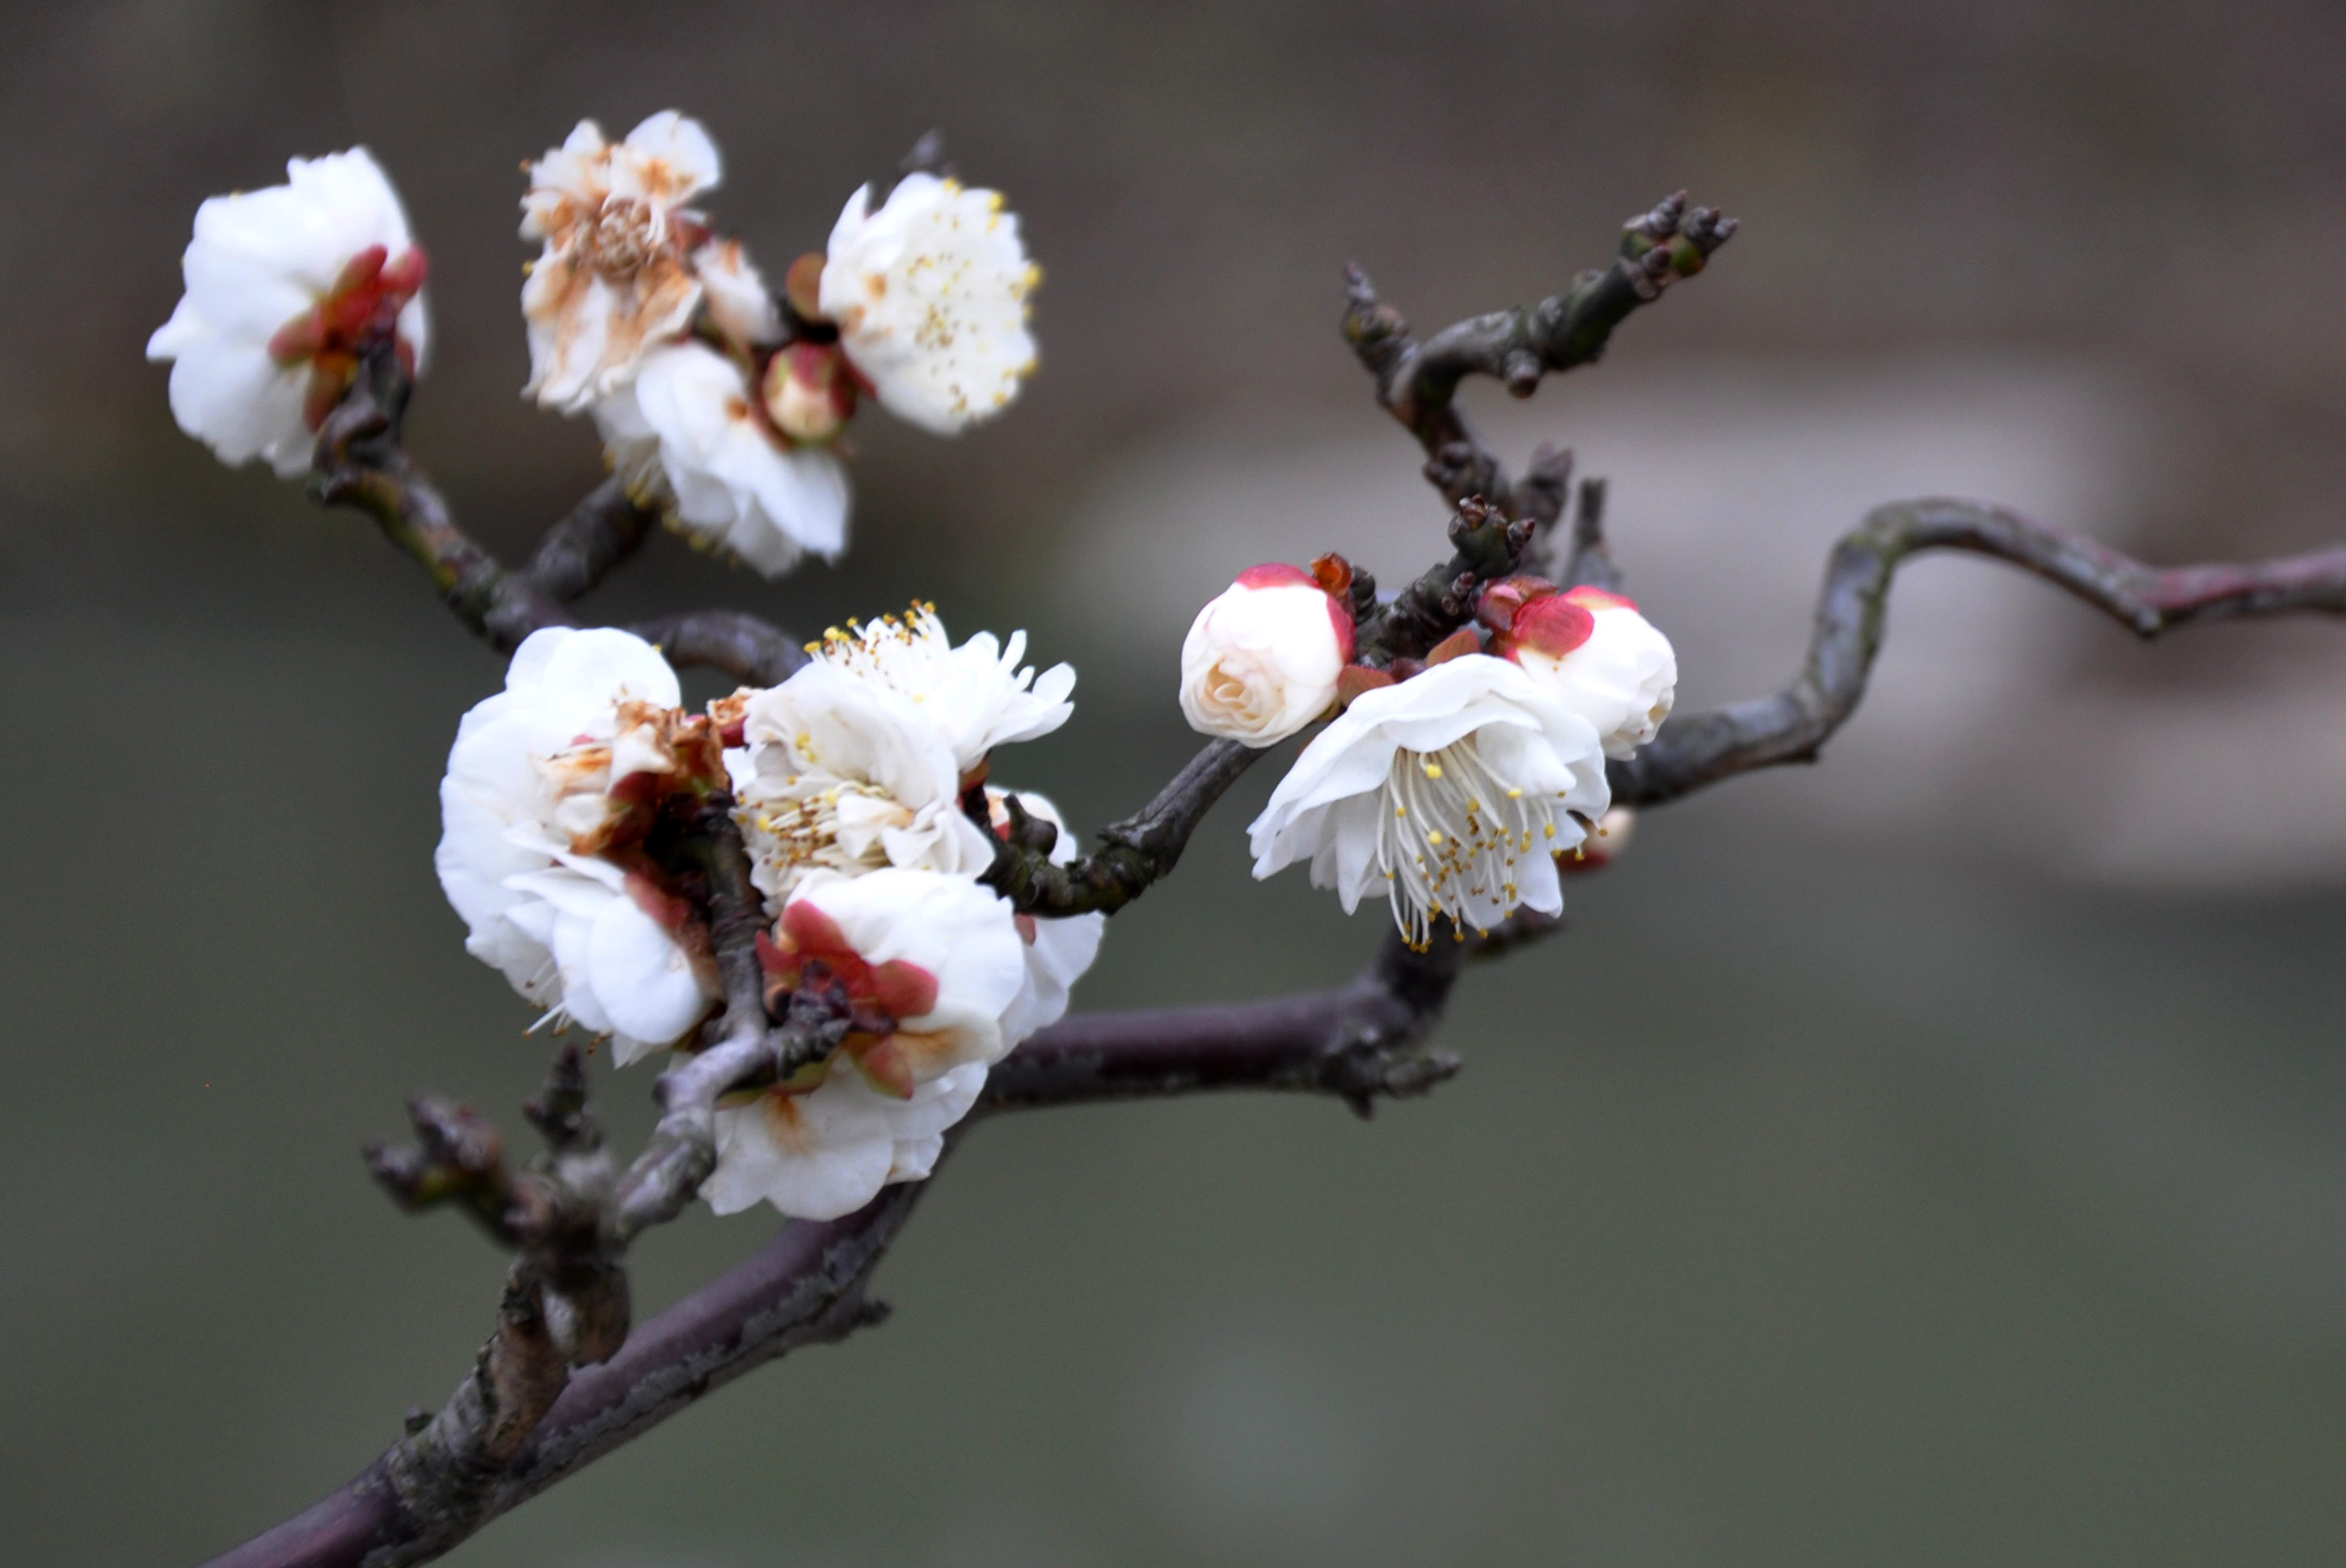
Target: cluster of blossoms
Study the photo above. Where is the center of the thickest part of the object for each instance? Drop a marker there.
(854, 783)
(1455, 785)
(578, 801)
(720, 403)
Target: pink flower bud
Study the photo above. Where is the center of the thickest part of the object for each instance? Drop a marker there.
(1262, 660)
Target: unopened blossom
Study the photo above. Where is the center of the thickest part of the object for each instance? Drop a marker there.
(1058, 950)
(688, 436)
(616, 277)
(284, 287)
(929, 293)
(930, 964)
(977, 695)
(541, 781)
(1449, 792)
(838, 774)
(1592, 649)
(1261, 659)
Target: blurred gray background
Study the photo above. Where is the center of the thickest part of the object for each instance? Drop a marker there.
(1930, 1157)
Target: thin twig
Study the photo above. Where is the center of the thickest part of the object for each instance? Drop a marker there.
(360, 462)
(1418, 383)
(1700, 749)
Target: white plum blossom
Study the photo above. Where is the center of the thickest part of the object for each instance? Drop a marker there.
(688, 436)
(841, 774)
(828, 1151)
(740, 307)
(977, 695)
(528, 794)
(1449, 792)
(616, 276)
(1058, 950)
(932, 963)
(1601, 659)
(1261, 659)
(929, 293)
(283, 285)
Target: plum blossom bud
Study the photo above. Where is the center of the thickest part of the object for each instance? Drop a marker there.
(1591, 650)
(1262, 660)
(285, 288)
(809, 394)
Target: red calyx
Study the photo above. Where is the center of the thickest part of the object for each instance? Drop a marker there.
(1527, 612)
(363, 305)
(1554, 626)
(1276, 575)
(1356, 678)
(896, 989)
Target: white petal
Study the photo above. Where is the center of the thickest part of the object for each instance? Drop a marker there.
(646, 985)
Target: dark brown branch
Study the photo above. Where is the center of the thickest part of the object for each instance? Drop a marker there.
(753, 652)
(602, 531)
(360, 462)
(805, 1288)
(569, 1221)
(1418, 383)
(1357, 1043)
(1700, 749)
(1138, 851)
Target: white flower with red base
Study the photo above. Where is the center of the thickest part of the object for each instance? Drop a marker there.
(546, 788)
(837, 773)
(688, 437)
(977, 695)
(284, 288)
(929, 964)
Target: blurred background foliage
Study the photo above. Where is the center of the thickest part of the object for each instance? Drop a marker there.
(1929, 1157)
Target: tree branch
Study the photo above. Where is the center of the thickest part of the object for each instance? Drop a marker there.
(1358, 1043)
(1418, 384)
(360, 462)
(753, 652)
(602, 531)
(1697, 749)
(807, 1287)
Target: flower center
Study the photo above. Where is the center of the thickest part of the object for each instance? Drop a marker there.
(836, 826)
(624, 237)
(1454, 833)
